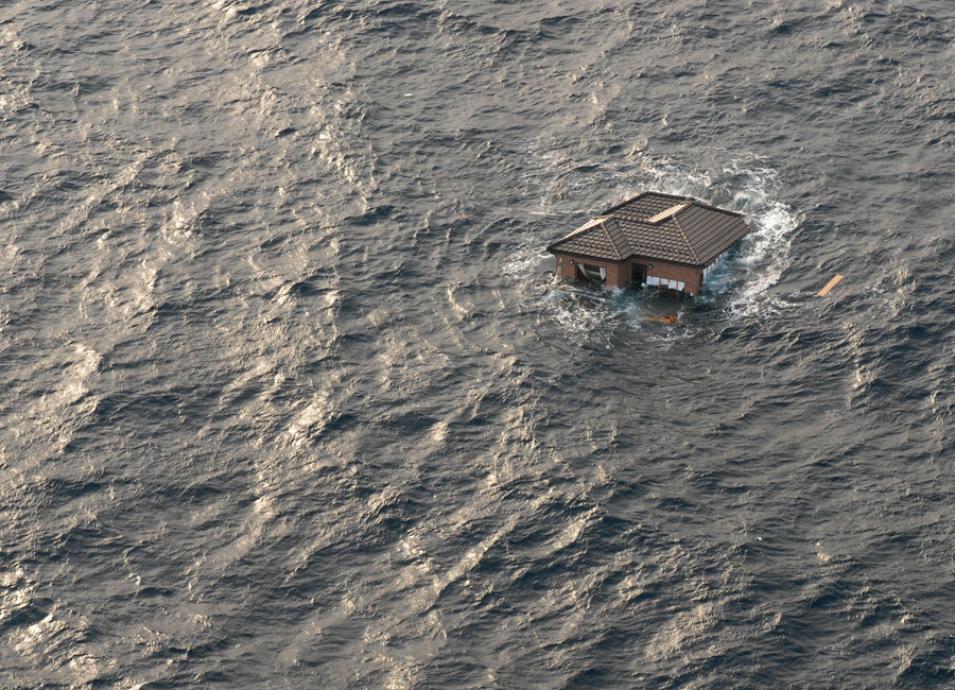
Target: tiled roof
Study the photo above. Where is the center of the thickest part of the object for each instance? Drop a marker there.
(658, 226)
(591, 239)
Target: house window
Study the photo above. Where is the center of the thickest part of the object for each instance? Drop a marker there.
(594, 274)
(666, 282)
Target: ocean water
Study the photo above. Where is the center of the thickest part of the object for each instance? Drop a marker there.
(291, 399)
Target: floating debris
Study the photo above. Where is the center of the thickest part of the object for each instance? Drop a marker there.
(831, 284)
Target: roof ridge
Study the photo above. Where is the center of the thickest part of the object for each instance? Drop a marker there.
(613, 242)
(686, 239)
(669, 212)
(694, 201)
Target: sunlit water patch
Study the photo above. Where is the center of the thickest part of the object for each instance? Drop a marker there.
(294, 399)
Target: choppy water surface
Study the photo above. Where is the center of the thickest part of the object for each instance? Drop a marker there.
(289, 399)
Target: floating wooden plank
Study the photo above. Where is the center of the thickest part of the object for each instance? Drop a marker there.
(668, 319)
(831, 284)
(663, 215)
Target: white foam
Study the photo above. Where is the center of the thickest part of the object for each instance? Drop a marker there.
(582, 315)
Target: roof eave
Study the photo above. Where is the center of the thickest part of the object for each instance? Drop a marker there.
(565, 252)
(725, 249)
(648, 258)
(629, 257)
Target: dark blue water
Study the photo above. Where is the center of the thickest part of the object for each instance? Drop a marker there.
(290, 400)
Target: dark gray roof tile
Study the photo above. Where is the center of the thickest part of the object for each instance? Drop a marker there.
(695, 234)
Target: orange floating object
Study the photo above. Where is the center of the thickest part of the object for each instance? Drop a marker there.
(831, 284)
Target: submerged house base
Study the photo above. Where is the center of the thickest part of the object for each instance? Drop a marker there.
(653, 239)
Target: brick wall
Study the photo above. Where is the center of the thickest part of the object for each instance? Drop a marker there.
(693, 277)
(618, 274)
(565, 267)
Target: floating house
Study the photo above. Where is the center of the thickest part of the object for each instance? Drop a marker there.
(652, 239)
